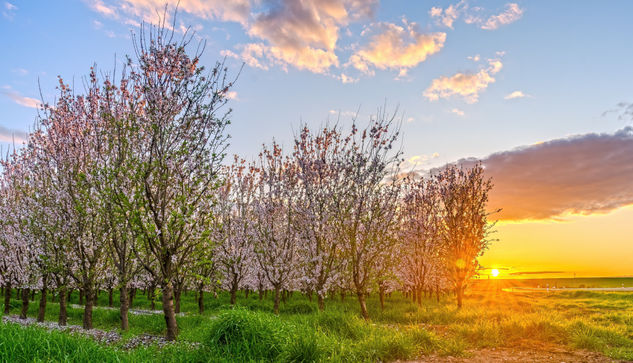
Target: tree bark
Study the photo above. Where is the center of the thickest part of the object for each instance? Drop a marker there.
(63, 312)
(7, 298)
(124, 308)
(276, 304)
(363, 305)
(342, 296)
(168, 310)
(177, 294)
(321, 302)
(25, 303)
(110, 293)
(152, 297)
(233, 294)
(42, 312)
(261, 294)
(381, 293)
(81, 296)
(459, 290)
(201, 300)
(246, 294)
(89, 296)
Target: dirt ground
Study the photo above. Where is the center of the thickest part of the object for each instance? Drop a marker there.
(533, 352)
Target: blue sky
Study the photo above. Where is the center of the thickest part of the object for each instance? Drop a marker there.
(469, 78)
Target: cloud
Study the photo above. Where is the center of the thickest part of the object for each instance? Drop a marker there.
(511, 14)
(623, 109)
(232, 95)
(515, 94)
(129, 11)
(584, 174)
(416, 161)
(9, 10)
(11, 135)
(302, 34)
(396, 47)
(447, 17)
(473, 15)
(458, 112)
(19, 99)
(20, 71)
(466, 85)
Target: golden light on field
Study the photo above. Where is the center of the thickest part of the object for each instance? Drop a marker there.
(494, 272)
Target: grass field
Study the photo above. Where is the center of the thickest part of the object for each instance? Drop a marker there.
(600, 322)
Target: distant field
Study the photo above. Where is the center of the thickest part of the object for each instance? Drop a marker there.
(580, 282)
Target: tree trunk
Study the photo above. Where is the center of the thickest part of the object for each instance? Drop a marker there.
(321, 302)
(233, 293)
(420, 296)
(342, 296)
(261, 294)
(7, 298)
(459, 290)
(363, 306)
(132, 295)
(437, 293)
(276, 305)
(110, 302)
(124, 308)
(81, 296)
(177, 294)
(42, 312)
(201, 300)
(168, 310)
(89, 296)
(309, 295)
(246, 294)
(63, 312)
(381, 293)
(33, 295)
(152, 297)
(25, 303)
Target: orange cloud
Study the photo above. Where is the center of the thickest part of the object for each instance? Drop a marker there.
(302, 34)
(466, 85)
(583, 174)
(396, 47)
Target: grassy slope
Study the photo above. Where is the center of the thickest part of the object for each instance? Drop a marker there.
(601, 322)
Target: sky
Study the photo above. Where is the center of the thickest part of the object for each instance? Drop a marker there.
(540, 91)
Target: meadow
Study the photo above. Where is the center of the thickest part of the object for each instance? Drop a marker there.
(598, 322)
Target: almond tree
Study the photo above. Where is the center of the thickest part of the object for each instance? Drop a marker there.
(234, 232)
(420, 233)
(465, 232)
(366, 207)
(179, 144)
(319, 170)
(276, 235)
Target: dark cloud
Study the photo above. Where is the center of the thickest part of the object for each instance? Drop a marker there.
(584, 174)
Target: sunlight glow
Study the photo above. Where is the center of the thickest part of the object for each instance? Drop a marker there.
(494, 272)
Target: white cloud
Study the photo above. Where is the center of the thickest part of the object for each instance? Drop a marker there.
(19, 99)
(511, 14)
(515, 94)
(458, 112)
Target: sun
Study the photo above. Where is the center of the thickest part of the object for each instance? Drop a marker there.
(494, 272)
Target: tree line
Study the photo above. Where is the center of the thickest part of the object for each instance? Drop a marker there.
(126, 185)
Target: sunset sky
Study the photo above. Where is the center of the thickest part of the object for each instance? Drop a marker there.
(541, 91)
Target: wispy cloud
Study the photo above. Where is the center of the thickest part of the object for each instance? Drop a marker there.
(465, 85)
(475, 15)
(11, 135)
(511, 14)
(9, 10)
(518, 273)
(18, 98)
(396, 47)
(516, 94)
(458, 112)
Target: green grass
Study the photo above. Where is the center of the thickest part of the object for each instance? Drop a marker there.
(597, 321)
